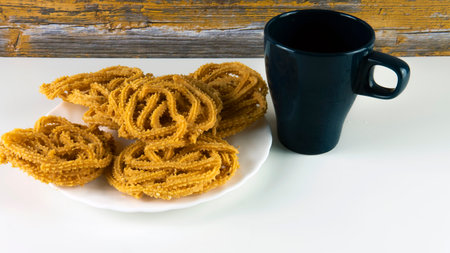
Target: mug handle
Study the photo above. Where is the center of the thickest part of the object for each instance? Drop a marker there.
(368, 86)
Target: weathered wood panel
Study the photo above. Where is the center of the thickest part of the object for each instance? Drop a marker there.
(203, 28)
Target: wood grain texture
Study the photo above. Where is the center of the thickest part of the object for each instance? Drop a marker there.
(203, 28)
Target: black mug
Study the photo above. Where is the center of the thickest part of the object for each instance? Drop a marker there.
(317, 61)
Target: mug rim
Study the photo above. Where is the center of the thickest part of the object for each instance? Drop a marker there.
(366, 46)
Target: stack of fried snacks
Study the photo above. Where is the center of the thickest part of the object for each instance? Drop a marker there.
(177, 122)
(58, 151)
(242, 91)
(168, 173)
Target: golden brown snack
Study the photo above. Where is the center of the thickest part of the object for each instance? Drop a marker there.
(168, 173)
(92, 90)
(170, 110)
(242, 91)
(58, 151)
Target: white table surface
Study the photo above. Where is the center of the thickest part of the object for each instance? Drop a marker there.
(384, 188)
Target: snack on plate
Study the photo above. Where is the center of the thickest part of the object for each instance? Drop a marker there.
(167, 173)
(170, 110)
(58, 151)
(242, 91)
(92, 90)
(177, 122)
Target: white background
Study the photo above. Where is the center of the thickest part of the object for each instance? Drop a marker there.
(384, 188)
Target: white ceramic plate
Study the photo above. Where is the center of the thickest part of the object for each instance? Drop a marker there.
(253, 145)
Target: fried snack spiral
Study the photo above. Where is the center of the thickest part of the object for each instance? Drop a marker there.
(92, 90)
(242, 91)
(168, 173)
(58, 151)
(170, 110)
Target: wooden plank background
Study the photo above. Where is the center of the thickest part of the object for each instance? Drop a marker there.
(203, 28)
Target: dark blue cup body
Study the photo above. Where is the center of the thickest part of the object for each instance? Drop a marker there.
(317, 61)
